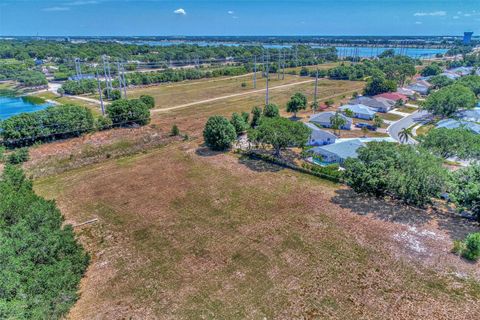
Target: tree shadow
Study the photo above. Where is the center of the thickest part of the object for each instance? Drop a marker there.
(204, 151)
(259, 165)
(392, 211)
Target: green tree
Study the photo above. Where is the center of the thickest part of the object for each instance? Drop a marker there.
(400, 171)
(174, 131)
(315, 107)
(405, 135)
(281, 133)
(465, 189)
(379, 84)
(337, 121)
(61, 91)
(472, 247)
(431, 70)
(128, 112)
(238, 123)
(377, 121)
(219, 133)
(271, 110)
(149, 101)
(448, 100)
(246, 117)
(446, 143)
(256, 116)
(472, 82)
(41, 261)
(296, 103)
(440, 81)
(348, 113)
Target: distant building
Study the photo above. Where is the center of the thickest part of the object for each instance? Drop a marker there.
(81, 77)
(392, 96)
(323, 119)
(467, 37)
(453, 124)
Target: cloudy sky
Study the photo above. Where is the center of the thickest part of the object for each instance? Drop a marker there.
(200, 17)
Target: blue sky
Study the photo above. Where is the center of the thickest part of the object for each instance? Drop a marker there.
(200, 17)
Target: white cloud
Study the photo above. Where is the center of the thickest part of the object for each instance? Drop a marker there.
(180, 12)
(51, 9)
(456, 17)
(418, 22)
(230, 12)
(432, 14)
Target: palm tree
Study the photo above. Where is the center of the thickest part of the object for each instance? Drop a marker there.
(405, 134)
(337, 121)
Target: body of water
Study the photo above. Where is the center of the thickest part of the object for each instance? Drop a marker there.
(363, 52)
(10, 106)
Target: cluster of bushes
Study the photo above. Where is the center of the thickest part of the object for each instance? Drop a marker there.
(176, 75)
(330, 172)
(66, 121)
(51, 123)
(81, 87)
(41, 261)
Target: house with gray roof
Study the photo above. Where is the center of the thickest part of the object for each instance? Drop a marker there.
(319, 137)
(323, 119)
(419, 88)
(453, 124)
(344, 149)
(359, 111)
(379, 105)
(472, 115)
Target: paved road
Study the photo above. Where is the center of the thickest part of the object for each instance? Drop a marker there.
(416, 117)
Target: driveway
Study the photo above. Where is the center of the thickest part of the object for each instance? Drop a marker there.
(416, 117)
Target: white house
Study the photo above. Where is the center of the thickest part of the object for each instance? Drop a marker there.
(323, 119)
(319, 137)
(359, 111)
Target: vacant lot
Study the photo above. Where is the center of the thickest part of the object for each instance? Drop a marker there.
(187, 234)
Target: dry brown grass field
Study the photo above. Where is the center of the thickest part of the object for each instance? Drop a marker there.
(184, 233)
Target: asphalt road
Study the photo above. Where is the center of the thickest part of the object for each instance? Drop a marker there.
(416, 117)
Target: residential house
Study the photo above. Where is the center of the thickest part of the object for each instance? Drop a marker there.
(472, 115)
(344, 149)
(462, 71)
(450, 75)
(418, 88)
(319, 137)
(407, 92)
(359, 111)
(392, 96)
(375, 104)
(453, 124)
(323, 119)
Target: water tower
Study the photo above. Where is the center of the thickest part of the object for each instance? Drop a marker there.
(467, 37)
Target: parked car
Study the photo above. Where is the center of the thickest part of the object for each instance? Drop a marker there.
(370, 127)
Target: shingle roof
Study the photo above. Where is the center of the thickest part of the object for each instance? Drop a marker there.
(325, 117)
(344, 149)
(392, 96)
(369, 102)
(453, 124)
(358, 108)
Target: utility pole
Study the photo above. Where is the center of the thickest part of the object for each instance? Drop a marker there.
(279, 65)
(124, 82)
(107, 85)
(100, 92)
(78, 70)
(266, 92)
(316, 88)
(255, 72)
(283, 74)
(120, 81)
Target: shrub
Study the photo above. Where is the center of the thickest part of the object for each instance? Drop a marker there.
(472, 247)
(256, 116)
(246, 117)
(238, 123)
(148, 100)
(219, 133)
(174, 131)
(128, 112)
(103, 123)
(18, 156)
(115, 94)
(244, 84)
(52, 123)
(271, 110)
